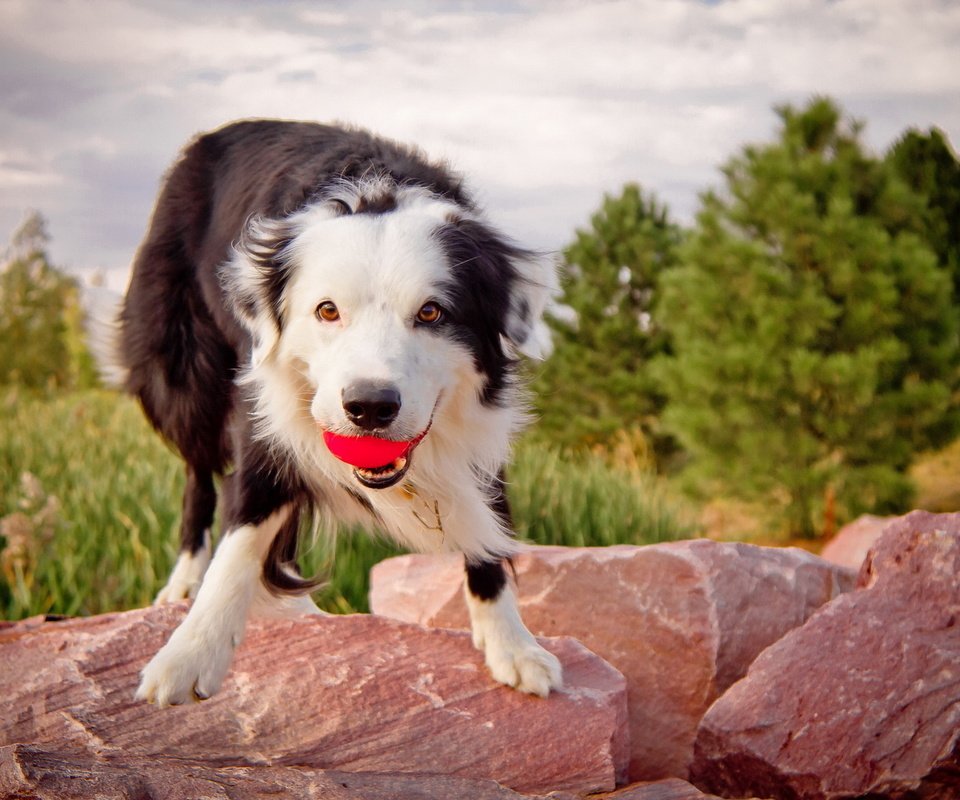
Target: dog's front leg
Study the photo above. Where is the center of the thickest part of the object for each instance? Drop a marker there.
(513, 655)
(193, 663)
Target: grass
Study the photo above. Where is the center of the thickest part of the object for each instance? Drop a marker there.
(90, 499)
(585, 501)
(110, 532)
(935, 474)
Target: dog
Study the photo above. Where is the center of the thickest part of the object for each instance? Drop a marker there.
(326, 320)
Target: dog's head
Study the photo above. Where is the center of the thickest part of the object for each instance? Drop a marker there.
(390, 306)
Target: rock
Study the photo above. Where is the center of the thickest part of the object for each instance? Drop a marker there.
(668, 789)
(356, 693)
(47, 773)
(853, 541)
(28, 623)
(864, 699)
(43, 772)
(681, 620)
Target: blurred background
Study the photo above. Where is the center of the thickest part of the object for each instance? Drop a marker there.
(755, 206)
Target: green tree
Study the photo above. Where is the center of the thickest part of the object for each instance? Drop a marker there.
(929, 165)
(815, 337)
(41, 338)
(595, 386)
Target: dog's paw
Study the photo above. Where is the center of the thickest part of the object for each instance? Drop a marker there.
(187, 669)
(524, 665)
(185, 580)
(513, 655)
(177, 590)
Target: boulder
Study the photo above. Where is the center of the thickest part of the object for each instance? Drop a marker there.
(850, 545)
(43, 772)
(356, 694)
(48, 773)
(864, 699)
(681, 620)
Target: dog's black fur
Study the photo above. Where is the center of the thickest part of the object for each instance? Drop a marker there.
(183, 346)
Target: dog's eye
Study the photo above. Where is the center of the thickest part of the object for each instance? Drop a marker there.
(327, 312)
(429, 314)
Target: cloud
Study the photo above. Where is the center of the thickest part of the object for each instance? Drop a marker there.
(544, 106)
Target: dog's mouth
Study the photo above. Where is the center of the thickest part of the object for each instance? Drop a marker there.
(383, 477)
(377, 463)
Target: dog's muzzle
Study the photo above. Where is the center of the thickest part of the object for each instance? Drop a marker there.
(377, 463)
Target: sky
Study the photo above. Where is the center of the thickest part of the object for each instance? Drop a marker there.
(544, 105)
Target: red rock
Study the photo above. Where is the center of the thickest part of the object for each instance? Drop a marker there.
(682, 620)
(853, 541)
(42, 772)
(356, 693)
(668, 789)
(47, 773)
(864, 699)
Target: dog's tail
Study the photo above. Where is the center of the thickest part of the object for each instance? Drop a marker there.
(102, 307)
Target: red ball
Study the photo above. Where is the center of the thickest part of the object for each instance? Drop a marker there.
(366, 452)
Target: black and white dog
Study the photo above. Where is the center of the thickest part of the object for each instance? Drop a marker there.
(325, 318)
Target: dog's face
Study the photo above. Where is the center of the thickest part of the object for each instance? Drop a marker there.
(369, 320)
(388, 317)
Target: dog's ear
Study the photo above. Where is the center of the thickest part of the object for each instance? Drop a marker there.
(517, 283)
(254, 280)
(532, 291)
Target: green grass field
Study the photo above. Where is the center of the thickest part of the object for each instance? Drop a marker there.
(90, 497)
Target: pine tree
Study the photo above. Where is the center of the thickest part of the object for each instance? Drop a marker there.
(814, 334)
(929, 165)
(596, 387)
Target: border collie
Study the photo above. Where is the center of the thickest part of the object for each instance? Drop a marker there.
(325, 319)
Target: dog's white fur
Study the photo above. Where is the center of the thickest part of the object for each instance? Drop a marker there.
(184, 582)
(513, 656)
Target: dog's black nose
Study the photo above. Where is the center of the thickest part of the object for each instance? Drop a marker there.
(371, 405)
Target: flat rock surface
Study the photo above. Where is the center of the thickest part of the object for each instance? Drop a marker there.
(864, 699)
(356, 693)
(681, 620)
